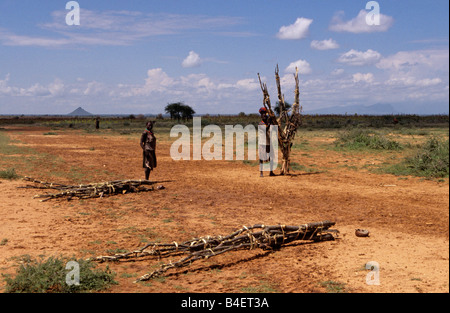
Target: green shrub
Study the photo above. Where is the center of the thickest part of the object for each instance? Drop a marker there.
(299, 167)
(9, 174)
(432, 160)
(365, 139)
(49, 276)
(334, 286)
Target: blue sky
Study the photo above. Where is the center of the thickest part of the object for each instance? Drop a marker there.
(133, 57)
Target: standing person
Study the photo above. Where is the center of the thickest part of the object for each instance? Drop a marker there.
(264, 148)
(148, 145)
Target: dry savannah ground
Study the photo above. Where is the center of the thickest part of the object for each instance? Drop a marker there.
(407, 216)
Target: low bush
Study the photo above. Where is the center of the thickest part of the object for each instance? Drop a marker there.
(49, 276)
(365, 139)
(9, 174)
(431, 160)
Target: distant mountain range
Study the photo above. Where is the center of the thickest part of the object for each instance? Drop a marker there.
(80, 112)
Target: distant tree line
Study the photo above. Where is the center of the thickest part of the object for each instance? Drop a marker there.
(179, 110)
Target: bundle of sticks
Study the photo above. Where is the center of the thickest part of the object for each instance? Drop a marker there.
(95, 190)
(246, 238)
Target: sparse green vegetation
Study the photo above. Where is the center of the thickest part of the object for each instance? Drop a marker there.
(7, 147)
(365, 139)
(9, 174)
(431, 160)
(262, 287)
(18, 159)
(116, 251)
(333, 286)
(49, 276)
(299, 167)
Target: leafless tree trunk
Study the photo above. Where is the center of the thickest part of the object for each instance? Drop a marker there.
(287, 122)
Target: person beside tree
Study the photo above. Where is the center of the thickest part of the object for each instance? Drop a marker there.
(264, 149)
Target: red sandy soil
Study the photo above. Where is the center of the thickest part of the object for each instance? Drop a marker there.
(407, 219)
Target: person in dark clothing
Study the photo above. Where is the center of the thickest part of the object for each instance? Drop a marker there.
(148, 145)
(264, 149)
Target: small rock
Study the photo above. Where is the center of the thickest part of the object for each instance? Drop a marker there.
(361, 233)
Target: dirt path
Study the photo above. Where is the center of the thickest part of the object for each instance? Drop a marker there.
(407, 219)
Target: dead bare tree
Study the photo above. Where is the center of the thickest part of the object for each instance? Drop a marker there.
(287, 122)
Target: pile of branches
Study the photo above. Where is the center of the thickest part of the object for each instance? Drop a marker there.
(246, 238)
(96, 190)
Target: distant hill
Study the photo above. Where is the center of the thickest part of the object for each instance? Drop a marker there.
(80, 112)
(375, 109)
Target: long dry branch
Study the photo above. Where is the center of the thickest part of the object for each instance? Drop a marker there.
(246, 238)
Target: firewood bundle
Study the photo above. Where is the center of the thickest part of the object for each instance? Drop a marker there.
(95, 190)
(246, 238)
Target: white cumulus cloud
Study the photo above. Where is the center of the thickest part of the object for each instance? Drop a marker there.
(423, 68)
(5, 89)
(56, 88)
(298, 30)
(366, 78)
(192, 60)
(337, 72)
(303, 67)
(360, 58)
(157, 81)
(248, 84)
(327, 44)
(359, 23)
(417, 59)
